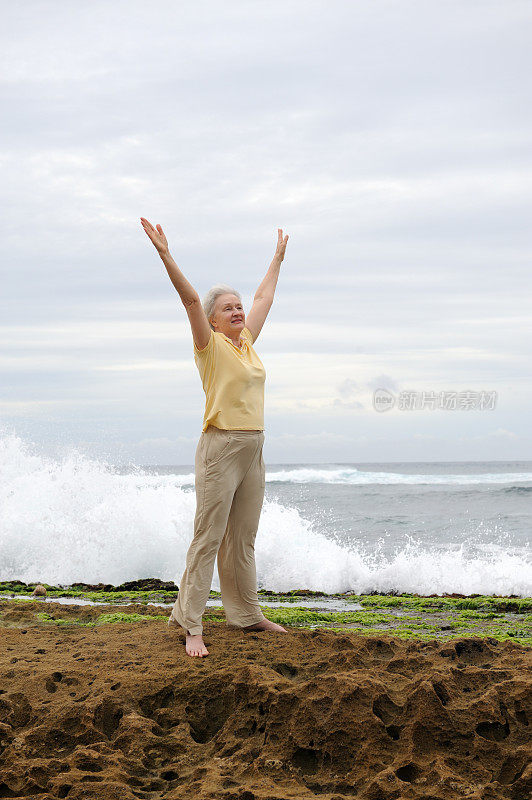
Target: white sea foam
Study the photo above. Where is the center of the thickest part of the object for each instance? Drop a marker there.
(354, 476)
(78, 519)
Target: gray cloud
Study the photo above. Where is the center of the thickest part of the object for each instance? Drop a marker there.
(390, 140)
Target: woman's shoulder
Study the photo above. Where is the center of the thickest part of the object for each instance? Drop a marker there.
(246, 333)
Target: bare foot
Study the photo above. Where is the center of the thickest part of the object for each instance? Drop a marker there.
(195, 645)
(265, 625)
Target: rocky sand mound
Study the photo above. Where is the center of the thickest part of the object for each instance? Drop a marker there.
(120, 711)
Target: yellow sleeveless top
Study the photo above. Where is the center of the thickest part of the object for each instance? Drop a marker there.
(233, 381)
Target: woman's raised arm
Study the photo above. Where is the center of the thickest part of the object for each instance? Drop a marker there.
(262, 302)
(201, 329)
(186, 291)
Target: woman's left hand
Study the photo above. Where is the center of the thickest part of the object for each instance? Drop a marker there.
(281, 244)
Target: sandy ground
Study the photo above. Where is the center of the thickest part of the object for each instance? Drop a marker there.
(119, 711)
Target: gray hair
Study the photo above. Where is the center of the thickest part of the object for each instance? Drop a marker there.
(213, 294)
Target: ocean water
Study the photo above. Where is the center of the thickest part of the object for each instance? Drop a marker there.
(404, 527)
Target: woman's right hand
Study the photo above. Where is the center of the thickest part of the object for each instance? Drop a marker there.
(156, 235)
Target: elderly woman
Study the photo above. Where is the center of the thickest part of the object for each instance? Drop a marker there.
(229, 467)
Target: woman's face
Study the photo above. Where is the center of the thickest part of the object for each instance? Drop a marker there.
(228, 316)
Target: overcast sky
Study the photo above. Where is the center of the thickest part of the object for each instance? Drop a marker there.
(390, 140)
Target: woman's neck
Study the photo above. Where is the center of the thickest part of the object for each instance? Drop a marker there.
(236, 342)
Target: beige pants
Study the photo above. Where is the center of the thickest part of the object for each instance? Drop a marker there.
(230, 475)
